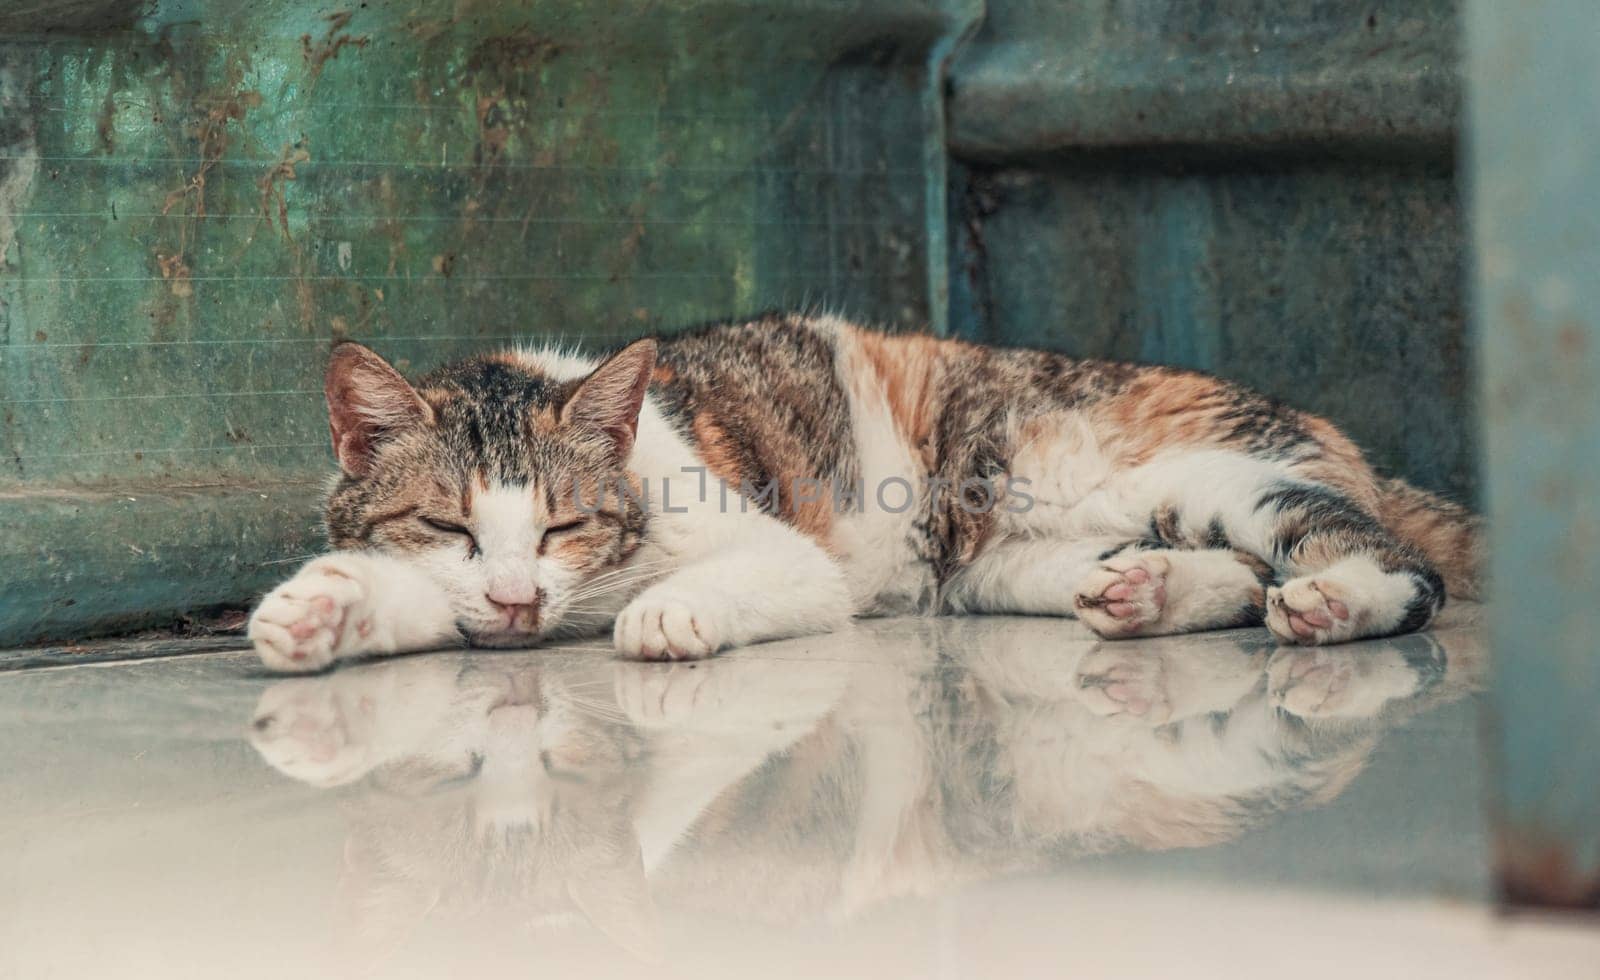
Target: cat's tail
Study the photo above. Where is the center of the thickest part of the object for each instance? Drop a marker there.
(1449, 534)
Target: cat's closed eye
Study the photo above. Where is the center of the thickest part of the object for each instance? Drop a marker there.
(448, 527)
(555, 531)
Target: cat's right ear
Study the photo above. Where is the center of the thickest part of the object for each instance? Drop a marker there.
(609, 399)
(368, 401)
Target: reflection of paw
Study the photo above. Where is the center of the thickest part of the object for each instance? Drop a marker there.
(1311, 611)
(312, 619)
(755, 698)
(1335, 684)
(305, 732)
(661, 626)
(666, 697)
(1125, 596)
(1113, 683)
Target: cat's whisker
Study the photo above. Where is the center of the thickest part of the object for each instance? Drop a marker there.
(593, 589)
(634, 569)
(587, 604)
(611, 580)
(291, 558)
(598, 709)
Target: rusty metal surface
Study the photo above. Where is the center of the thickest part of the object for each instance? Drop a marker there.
(1262, 190)
(1377, 75)
(196, 199)
(1536, 170)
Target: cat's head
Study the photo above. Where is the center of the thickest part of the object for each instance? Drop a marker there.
(502, 484)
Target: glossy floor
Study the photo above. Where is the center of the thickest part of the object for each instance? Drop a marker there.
(937, 798)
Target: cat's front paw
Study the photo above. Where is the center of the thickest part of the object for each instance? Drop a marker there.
(665, 626)
(1311, 611)
(1125, 596)
(312, 619)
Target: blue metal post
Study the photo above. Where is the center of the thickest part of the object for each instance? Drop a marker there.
(1534, 150)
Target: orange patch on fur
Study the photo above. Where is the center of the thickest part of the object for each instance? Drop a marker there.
(909, 367)
(1041, 440)
(1163, 410)
(811, 517)
(1449, 534)
(721, 456)
(514, 358)
(437, 398)
(716, 449)
(544, 420)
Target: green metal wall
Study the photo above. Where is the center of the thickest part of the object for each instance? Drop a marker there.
(1264, 189)
(198, 196)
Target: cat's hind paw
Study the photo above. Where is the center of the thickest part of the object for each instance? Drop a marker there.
(1125, 596)
(312, 619)
(1310, 611)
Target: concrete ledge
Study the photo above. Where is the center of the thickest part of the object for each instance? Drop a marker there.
(76, 562)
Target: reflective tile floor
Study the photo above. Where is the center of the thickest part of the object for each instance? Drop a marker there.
(938, 798)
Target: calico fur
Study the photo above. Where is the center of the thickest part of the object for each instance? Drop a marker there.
(776, 476)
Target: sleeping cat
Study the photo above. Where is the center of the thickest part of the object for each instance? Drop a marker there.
(775, 477)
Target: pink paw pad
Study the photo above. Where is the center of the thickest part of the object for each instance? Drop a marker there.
(1125, 595)
(1308, 622)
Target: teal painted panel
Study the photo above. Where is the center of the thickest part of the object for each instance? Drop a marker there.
(1381, 75)
(1335, 286)
(1263, 190)
(1536, 188)
(198, 199)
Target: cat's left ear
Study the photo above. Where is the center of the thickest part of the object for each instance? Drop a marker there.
(610, 398)
(368, 401)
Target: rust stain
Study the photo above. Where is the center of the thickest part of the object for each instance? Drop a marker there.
(212, 132)
(512, 53)
(1537, 871)
(211, 135)
(493, 129)
(392, 228)
(271, 182)
(105, 126)
(1572, 340)
(176, 271)
(317, 54)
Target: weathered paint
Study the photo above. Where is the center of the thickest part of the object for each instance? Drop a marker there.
(1535, 153)
(1228, 75)
(1262, 190)
(197, 198)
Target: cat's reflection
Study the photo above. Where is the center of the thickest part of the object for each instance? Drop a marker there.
(819, 777)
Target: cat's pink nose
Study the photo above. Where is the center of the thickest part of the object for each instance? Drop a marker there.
(524, 595)
(521, 614)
